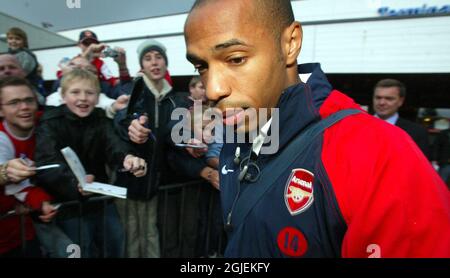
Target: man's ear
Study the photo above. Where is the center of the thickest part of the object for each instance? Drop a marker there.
(292, 42)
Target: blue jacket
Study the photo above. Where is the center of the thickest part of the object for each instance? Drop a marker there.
(334, 199)
(257, 237)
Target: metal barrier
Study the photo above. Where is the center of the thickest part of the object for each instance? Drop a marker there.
(190, 212)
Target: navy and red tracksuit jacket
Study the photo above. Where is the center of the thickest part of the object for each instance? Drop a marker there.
(362, 189)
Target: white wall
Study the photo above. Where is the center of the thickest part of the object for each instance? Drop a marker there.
(418, 45)
(315, 10)
(391, 46)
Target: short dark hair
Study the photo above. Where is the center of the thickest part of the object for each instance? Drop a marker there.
(387, 83)
(276, 14)
(14, 81)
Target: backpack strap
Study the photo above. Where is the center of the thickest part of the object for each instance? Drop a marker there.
(297, 146)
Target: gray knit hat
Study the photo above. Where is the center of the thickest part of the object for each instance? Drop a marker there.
(149, 45)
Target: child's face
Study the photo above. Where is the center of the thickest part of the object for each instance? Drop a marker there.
(15, 42)
(81, 97)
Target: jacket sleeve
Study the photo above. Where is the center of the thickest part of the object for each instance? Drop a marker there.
(59, 182)
(394, 203)
(115, 148)
(7, 203)
(181, 161)
(122, 121)
(35, 197)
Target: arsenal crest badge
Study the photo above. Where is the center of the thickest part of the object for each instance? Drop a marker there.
(298, 192)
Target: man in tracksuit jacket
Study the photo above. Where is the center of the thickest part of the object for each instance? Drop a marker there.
(361, 187)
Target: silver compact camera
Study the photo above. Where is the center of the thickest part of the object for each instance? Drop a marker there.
(109, 52)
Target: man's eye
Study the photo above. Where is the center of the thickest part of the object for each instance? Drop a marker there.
(14, 102)
(237, 60)
(200, 68)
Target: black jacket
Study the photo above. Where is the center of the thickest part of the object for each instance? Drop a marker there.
(92, 138)
(441, 148)
(418, 133)
(157, 153)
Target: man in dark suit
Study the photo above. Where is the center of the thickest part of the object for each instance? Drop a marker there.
(388, 97)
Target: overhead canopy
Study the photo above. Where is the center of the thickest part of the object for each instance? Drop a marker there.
(59, 15)
(37, 37)
(42, 19)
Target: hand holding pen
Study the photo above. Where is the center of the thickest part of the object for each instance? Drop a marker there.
(138, 130)
(19, 169)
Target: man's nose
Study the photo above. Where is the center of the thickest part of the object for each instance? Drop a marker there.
(217, 86)
(382, 101)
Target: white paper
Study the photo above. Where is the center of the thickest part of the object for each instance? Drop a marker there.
(95, 187)
(106, 189)
(15, 188)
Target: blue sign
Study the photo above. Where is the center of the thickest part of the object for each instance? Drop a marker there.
(424, 10)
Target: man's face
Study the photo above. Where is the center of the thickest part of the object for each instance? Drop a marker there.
(387, 101)
(14, 42)
(238, 59)
(198, 91)
(81, 97)
(154, 66)
(10, 67)
(18, 108)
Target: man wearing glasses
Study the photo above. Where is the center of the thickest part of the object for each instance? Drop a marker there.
(18, 109)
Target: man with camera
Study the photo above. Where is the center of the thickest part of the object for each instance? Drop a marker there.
(94, 51)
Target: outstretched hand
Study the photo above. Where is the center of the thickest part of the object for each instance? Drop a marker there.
(135, 165)
(137, 131)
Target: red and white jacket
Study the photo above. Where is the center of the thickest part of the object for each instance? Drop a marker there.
(10, 195)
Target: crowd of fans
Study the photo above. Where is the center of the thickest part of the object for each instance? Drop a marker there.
(93, 112)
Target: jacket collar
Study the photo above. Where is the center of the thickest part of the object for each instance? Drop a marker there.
(75, 118)
(159, 95)
(299, 104)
